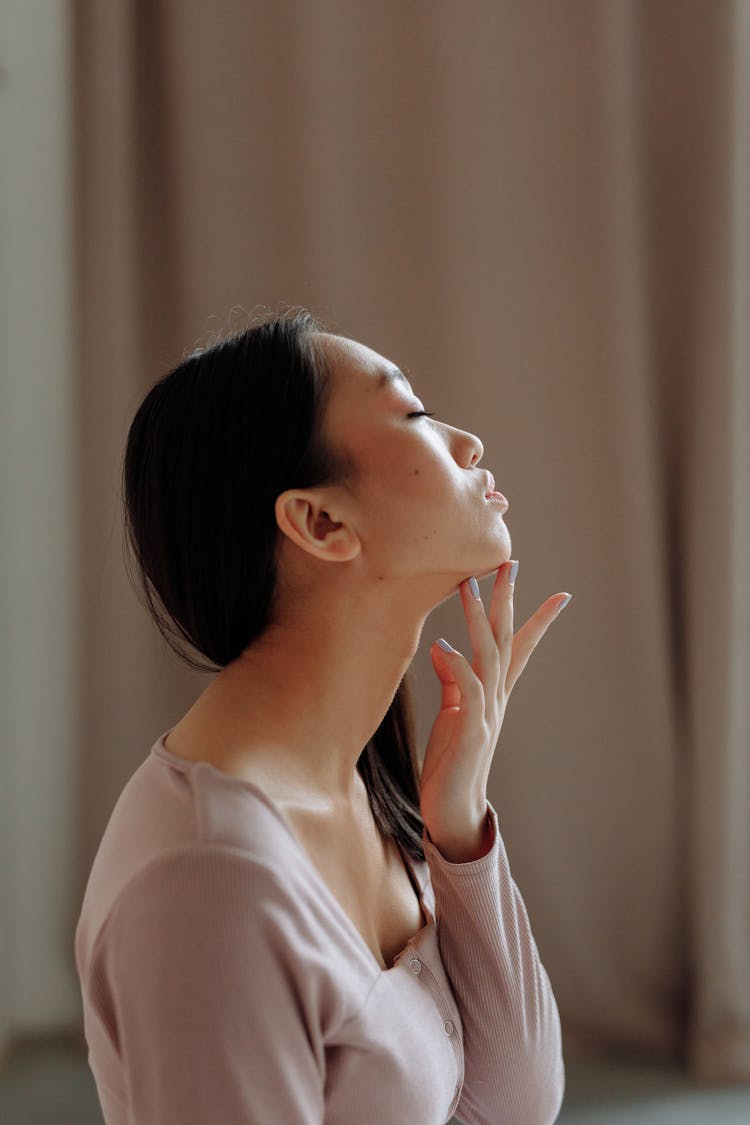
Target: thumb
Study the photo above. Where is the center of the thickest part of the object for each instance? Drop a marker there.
(444, 652)
(447, 665)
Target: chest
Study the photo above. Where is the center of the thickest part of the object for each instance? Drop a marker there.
(366, 874)
(369, 879)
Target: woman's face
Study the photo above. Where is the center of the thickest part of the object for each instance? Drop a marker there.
(418, 503)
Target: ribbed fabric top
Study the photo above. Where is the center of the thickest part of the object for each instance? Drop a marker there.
(222, 981)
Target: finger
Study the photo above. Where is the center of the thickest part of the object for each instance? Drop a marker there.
(501, 618)
(530, 634)
(461, 686)
(451, 692)
(485, 656)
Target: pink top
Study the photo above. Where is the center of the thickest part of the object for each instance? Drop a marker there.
(222, 981)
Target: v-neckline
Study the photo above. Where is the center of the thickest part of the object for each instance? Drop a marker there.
(186, 765)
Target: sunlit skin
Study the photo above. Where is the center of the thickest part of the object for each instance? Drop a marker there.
(361, 568)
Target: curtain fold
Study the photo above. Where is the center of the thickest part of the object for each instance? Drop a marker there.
(542, 211)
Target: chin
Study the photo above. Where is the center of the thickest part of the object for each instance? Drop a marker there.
(495, 566)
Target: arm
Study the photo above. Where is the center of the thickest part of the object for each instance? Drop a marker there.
(513, 1064)
(215, 1008)
(512, 1038)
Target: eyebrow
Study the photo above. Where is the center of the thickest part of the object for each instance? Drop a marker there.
(393, 375)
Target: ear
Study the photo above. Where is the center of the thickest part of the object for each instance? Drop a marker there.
(309, 520)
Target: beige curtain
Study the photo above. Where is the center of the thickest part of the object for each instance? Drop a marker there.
(543, 211)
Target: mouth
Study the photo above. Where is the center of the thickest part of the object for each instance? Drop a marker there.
(491, 494)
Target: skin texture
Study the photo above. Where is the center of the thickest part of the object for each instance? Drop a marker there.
(361, 568)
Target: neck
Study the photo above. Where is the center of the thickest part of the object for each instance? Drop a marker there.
(308, 697)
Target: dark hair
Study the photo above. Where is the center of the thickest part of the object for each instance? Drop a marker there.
(210, 448)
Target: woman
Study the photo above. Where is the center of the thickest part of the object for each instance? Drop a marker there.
(286, 922)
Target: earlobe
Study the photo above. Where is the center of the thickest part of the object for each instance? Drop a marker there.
(340, 545)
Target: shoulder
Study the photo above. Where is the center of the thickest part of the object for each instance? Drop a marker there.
(210, 929)
(213, 920)
(225, 890)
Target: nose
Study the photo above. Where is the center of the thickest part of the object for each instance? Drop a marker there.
(478, 450)
(463, 440)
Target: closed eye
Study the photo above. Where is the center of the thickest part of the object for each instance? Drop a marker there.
(421, 414)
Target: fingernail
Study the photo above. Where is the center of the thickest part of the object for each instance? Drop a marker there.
(474, 587)
(513, 572)
(445, 646)
(564, 603)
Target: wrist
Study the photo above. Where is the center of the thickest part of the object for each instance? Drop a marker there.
(466, 846)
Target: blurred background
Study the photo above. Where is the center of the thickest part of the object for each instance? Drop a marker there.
(541, 212)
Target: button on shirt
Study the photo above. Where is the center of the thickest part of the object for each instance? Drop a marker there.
(221, 979)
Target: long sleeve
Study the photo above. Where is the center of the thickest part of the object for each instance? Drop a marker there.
(212, 998)
(514, 1071)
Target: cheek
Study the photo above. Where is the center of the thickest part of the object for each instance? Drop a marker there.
(396, 466)
(406, 473)
(417, 483)
(418, 498)
(400, 498)
(431, 478)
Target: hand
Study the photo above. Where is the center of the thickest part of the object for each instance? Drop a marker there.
(461, 746)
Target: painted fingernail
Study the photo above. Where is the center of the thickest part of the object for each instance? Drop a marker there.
(564, 602)
(513, 572)
(474, 587)
(445, 646)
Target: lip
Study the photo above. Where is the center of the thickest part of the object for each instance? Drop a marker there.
(492, 494)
